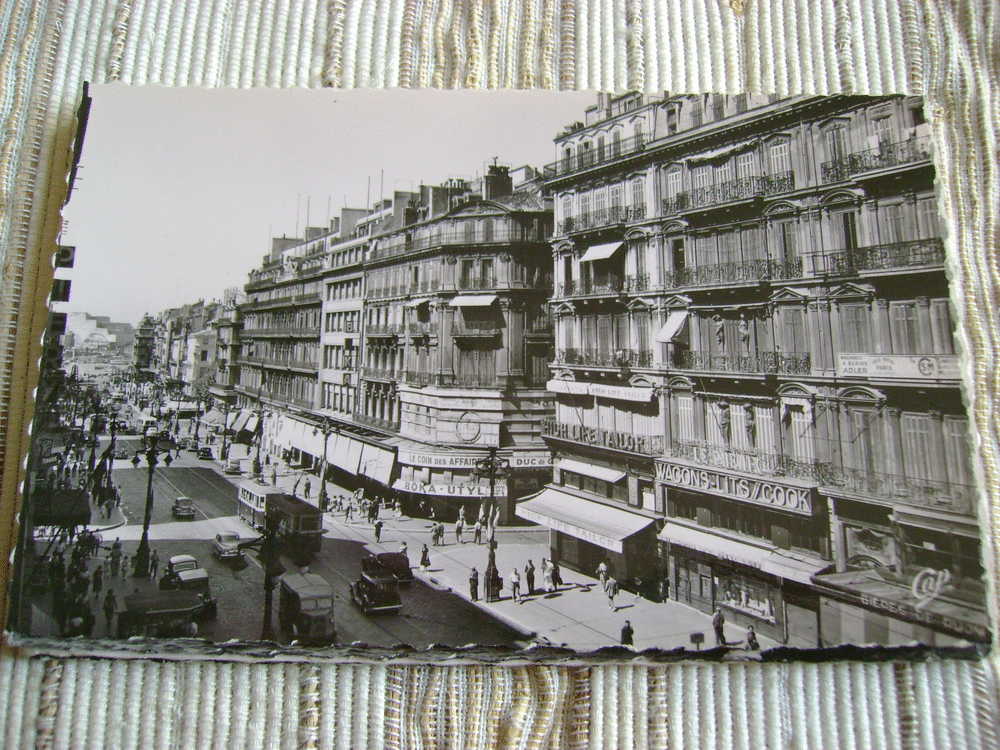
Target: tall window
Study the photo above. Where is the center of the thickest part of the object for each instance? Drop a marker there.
(638, 194)
(744, 165)
(673, 183)
(855, 328)
(600, 148)
(702, 176)
(927, 218)
(616, 196)
(685, 417)
(918, 451)
(957, 450)
(779, 157)
(567, 207)
(865, 444)
(882, 130)
(640, 136)
(671, 121)
(639, 249)
(836, 142)
(616, 143)
(795, 339)
(697, 116)
(845, 229)
(584, 206)
(785, 231)
(486, 272)
(487, 230)
(725, 172)
(641, 322)
(903, 328)
(800, 430)
(942, 334)
(893, 223)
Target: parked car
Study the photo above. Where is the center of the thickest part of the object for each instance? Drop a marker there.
(183, 507)
(226, 545)
(376, 593)
(175, 566)
(388, 563)
(205, 452)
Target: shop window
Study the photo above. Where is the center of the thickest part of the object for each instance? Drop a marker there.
(748, 595)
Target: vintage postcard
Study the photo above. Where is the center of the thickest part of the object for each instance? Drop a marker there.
(575, 370)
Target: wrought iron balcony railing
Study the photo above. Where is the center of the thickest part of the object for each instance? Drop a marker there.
(751, 461)
(887, 257)
(924, 493)
(400, 245)
(419, 329)
(478, 329)
(289, 331)
(279, 362)
(601, 217)
(594, 157)
(380, 373)
(591, 287)
(377, 422)
(287, 300)
(418, 378)
(735, 272)
(619, 358)
(646, 445)
(383, 329)
(758, 362)
(883, 156)
(742, 188)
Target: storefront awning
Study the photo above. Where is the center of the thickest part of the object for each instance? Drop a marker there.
(584, 519)
(672, 328)
(213, 416)
(241, 420)
(417, 302)
(251, 425)
(473, 300)
(345, 453)
(233, 416)
(764, 559)
(601, 252)
(567, 386)
(597, 472)
(377, 463)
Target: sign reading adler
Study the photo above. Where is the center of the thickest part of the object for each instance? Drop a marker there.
(773, 494)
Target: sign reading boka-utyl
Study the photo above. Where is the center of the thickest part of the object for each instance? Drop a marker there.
(772, 494)
(917, 367)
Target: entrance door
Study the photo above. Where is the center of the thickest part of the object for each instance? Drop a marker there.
(802, 624)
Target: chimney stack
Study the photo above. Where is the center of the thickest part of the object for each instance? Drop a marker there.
(497, 183)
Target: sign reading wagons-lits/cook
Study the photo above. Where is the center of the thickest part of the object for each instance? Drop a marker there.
(772, 494)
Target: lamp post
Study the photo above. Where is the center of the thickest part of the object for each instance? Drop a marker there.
(327, 428)
(224, 450)
(141, 560)
(260, 426)
(492, 466)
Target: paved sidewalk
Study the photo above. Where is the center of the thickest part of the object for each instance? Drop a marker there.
(577, 616)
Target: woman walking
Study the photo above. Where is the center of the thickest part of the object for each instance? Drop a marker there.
(425, 558)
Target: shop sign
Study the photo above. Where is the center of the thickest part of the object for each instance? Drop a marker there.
(917, 367)
(621, 393)
(574, 531)
(746, 489)
(440, 460)
(530, 460)
(450, 490)
(933, 619)
(623, 441)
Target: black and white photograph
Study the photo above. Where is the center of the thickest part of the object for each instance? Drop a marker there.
(660, 371)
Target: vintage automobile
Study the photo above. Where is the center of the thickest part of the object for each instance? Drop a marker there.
(388, 563)
(305, 608)
(205, 452)
(376, 594)
(175, 565)
(160, 614)
(226, 545)
(232, 467)
(185, 443)
(183, 507)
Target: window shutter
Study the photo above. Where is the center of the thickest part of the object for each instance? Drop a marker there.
(957, 450)
(941, 330)
(917, 450)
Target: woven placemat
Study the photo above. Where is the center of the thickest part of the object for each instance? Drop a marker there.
(946, 50)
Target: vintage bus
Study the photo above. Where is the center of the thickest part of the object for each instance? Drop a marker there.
(300, 525)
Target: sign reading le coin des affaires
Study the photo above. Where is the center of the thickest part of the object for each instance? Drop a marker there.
(772, 494)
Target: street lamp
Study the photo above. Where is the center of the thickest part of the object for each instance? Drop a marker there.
(257, 470)
(153, 449)
(492, 466)
(327, 428)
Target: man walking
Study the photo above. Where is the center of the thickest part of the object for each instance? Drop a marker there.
(477, 532)
(458, 530)
(307, 488)
(627, 634)
(474, 585)
(378, 530)
(602, 574)
(515, 585)
(110, 607)
(611, 587)
(529, 578)
(719, 624)
(154, 563)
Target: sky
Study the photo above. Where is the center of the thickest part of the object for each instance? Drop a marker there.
(179, 190)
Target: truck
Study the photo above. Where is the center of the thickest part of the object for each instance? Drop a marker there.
(305, 609)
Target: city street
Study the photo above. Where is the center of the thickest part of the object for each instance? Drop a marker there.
(429, 615)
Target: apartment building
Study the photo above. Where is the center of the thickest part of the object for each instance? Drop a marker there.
(757, 396)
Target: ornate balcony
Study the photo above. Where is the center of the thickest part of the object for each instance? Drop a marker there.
(379, 373)
(888, 257)
(427, 285)
(619, 358)
(884, 156)
(384, 329)
(402, 245)
(750, 461)
(601, 217)
(281, 363)
(922, 493)
(608, 285)
(283, 331)
(486, 329)
(376, 422)
(418, 378)
(594, 157)
(419, 329)
(751, 271)
(645, 445)
(743, 188)
(754, 363)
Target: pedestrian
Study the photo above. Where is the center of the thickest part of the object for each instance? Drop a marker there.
(547, 576)
(378, 530)
(627, 634)
(110, 607)
(477, 532)
(97, 580)
(308, 488)
(602, 574)
(154, 564)
(557, 580)
(611, 587)
(434, 535)
(752, 644)
(441, 532)
(405, 551)
(349, 510)
(529, 578)
(515, 585)
(458, 530)
(474, 585)
(719, 624)
(124, 565)
(274, 477)
(425, 558)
